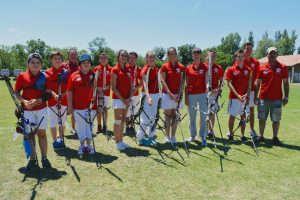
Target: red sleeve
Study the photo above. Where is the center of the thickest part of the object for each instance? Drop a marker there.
(285, 73)
(48, 82)
(229, 74)
(221, 72)
(163, 69)
(143, 71)
(70, 84)
(18, 85)
(114, 70)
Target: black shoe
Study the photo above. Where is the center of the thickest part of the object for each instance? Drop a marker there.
(104, 129)
(261, 139)
(230, 137)
(276, 141)
(243, 139)
(31, 164)
(210, 135)
(46, 163)
(132, 131)
(99, 129)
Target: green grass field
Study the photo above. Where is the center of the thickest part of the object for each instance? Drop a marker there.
(141, 173)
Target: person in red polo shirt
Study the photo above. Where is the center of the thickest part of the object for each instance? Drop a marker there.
(269, 80)
(150, 88)
(217, 74)
(52, 85)
(30, 89)
(135, 72)
(72, 66)
(254, 65)
(237, 77)
(103, 83)
(171, 75)
(80, 89)
(196, 94)
(121, 86)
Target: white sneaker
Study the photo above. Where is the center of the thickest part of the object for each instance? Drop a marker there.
(167, 140)
(191, 139)
(92, 150)
(80, 152)
(73, 131)
(174, 141)
(119, 146)
(126, 146)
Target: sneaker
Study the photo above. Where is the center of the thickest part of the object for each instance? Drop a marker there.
(56, 145)
(243, 139)
(132, 131)
(173, 139)
(73, 131)
(104, 129)
(31, 164)
(167, 140)
(144, 142)
(230, 137)
(90, 149)
(210, 135)
(86, 150)
(46, 163)
(126, 146)
(120, 147)
(261, 139)
(204, 143)
(62, 144)
(276, 141)
(99, 129)
(80, 151)
(253, 134)
(191, 139)
(152, 140)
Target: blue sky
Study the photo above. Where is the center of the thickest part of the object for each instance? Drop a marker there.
(141, 25)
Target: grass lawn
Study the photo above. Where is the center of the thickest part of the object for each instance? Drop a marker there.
(141, 173)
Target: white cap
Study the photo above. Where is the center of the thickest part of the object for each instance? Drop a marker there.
(272, 49)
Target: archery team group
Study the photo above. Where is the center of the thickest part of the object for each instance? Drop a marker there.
(84, 92)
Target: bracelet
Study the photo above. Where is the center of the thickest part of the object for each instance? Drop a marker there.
(286, 98)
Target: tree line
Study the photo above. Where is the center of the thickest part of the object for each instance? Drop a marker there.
(15, 56)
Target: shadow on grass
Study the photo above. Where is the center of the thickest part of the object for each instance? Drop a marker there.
(41, 175)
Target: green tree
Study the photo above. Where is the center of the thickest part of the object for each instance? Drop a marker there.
(230, 44)
(40, 47)
(250, 37)
(263, 45)
(97, 46)
(286, 44)
(20, 55)
(160, 52)
(298, 51)
(5, 58)
(185, 53)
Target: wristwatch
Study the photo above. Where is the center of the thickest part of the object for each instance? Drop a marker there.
(286, 98)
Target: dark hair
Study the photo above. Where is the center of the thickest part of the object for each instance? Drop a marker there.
(103, 54)
(248, 43)
(72, 50)
(197, 50)
(54, 53)
(150, 52)
(119, 53)
(134, 53)
(170, 49)
(36, 56)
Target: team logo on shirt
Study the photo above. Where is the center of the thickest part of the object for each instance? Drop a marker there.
(265, 71)
(246, 72)
(201, 71)
(128, 74)
(91, 77)
(178, 70)
(252, 65)
(216, 70)
(278, 71)
(235, 73)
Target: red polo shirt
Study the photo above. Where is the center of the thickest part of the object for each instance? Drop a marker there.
(271, 80)
(217, 75)
(52, 84)
(123, 81)
(239, 78)
(196, 78)
(173, 76)
(82, 87)
(25, 82)
(136, 77)
(153, 79)
(100, 78)
(253, 64)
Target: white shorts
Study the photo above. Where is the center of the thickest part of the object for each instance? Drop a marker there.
(106, 101)
(134, 107)
(251, 100)
(168, 104)
(235, 107)
(83, 128)
(53, 118)
(36, 116)
(118, 104)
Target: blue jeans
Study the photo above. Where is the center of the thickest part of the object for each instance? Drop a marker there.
(194, 101)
